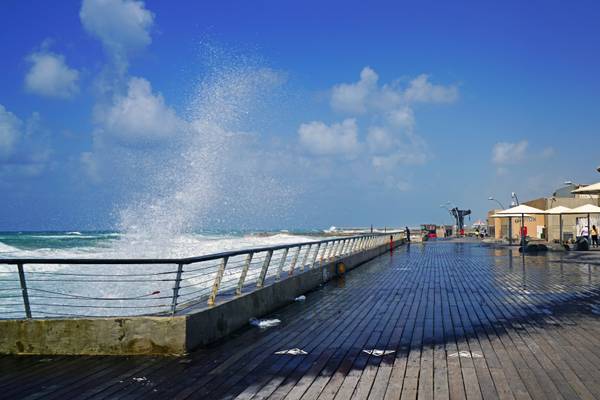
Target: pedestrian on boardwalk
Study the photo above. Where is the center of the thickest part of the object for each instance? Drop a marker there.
(407, 232)
(594, 236)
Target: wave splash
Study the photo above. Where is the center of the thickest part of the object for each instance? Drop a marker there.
(206, 176)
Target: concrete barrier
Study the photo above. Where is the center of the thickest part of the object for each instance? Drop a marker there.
(166, 335)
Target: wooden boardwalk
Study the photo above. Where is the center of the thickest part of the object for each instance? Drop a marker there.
(453, 320)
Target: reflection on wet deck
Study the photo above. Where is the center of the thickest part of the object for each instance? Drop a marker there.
(443, 320)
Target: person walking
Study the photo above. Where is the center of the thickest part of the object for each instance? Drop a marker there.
(407, 233)
(594, 236)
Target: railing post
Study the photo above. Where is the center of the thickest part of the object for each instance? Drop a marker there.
(357, 245)
(238, 291)
(305, 259)
(323, 254)
(294, 260)
(176, 288)
(217, 283)
(338, 248)
(312, 264)
(24, 292)
(333, 249)
(263, 272)
(281, 264)
(344, 247)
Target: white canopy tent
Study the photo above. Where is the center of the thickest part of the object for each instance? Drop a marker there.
(586, 209)
(520, 210)
(589, 189)
(559, 210)
(510, 217)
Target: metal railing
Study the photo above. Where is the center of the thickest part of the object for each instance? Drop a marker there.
(41, 288)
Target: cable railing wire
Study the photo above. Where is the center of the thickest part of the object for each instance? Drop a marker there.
(105, 287)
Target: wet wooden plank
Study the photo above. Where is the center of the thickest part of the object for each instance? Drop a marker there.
(462, 321)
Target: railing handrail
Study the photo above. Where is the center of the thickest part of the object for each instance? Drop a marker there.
(184, 260)
(197, 281)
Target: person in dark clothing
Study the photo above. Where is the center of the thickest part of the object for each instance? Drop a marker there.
(594, 236)
(407, 232)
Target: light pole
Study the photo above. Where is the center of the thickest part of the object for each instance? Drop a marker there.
(513, 195)
(493, 199)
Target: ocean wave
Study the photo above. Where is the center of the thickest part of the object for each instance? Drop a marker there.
(4, 248)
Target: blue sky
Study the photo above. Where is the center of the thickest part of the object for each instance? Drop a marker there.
(190, 114)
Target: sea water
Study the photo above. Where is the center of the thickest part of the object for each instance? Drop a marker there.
(123, 289)
(208, 174)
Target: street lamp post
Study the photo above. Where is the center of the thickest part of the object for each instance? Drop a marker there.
(513, 195)
(497, 201)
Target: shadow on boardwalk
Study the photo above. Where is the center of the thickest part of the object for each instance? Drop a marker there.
(453, 320)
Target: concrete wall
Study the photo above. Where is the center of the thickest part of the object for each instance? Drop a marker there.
(137, 335)
(165, 335)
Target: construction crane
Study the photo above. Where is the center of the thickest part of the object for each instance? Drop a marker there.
(459, 216)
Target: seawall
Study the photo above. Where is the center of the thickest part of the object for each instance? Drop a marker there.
(167, 335)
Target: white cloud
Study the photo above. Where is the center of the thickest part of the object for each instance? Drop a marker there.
(379, 140)
(353, 97)
(50, 76)
(390, 149)
(505, 153)
(10, 132)
(23, 151)
(387, 112)
(423, 91)
(90, 165)
(548, 152)
(121, 25)
(321, 139)
(402, 118)
(366, 95)
(139, 116)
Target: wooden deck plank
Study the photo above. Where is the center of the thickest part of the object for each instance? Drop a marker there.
(461, 320)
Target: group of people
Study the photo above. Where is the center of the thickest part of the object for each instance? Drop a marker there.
(594, 234)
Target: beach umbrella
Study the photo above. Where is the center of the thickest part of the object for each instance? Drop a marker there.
(521, 210)
(510, 217)
(559, 210)
(589, 189)
(585, 209)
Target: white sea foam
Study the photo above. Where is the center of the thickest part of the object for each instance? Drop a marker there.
(134, 245)
(4, 248)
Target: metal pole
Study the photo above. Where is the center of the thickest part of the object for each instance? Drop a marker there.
(588, 230)
(238, 291)
(560, 231)
(342, 247)
(176, 288)
(281, 264)
(293, 264)
(305, 259)
(312, 264)
(24, 292)
(333, 247)
(522, 232)
(217, 283)
(324, 252)
(263, 272)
